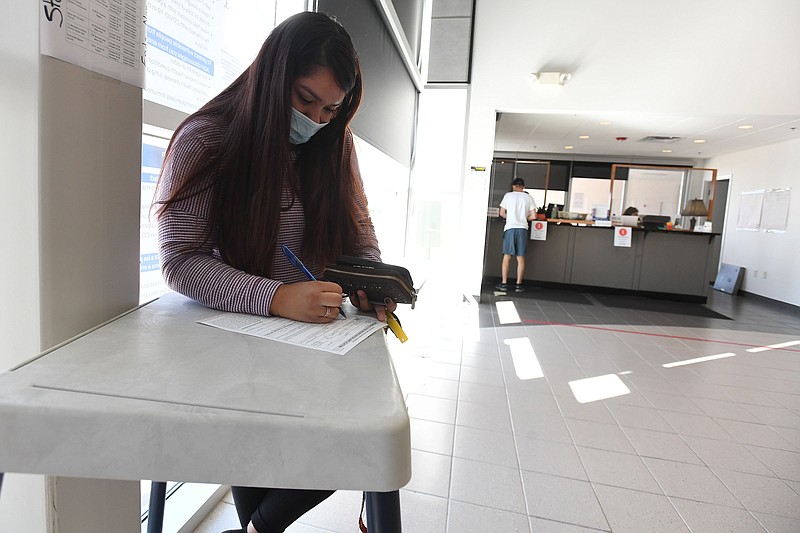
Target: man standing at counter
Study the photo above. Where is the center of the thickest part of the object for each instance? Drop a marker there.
(518, 208)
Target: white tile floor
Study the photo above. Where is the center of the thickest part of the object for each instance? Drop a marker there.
(712, 446)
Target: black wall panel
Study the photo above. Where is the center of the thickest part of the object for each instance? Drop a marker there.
(387, 117)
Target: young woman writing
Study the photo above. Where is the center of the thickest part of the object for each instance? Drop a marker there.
(270, 162)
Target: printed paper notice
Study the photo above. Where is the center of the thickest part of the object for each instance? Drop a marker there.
(338, 337)
(775, 211)
(539, 230)
(622, 236)
(104, 36)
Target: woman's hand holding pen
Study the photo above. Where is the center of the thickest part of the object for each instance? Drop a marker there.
(308, 301)
(359, 299)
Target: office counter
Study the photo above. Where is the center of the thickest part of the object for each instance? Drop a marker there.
(154, 395)
(676, 263)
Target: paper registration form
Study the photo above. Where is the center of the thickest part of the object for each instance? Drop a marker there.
(338, 336)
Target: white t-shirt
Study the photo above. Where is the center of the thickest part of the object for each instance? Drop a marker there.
(518, 206)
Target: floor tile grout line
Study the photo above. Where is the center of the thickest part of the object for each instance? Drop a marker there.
(453, 444)
(513, 431)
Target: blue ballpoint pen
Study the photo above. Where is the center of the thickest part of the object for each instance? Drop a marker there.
(293, 259)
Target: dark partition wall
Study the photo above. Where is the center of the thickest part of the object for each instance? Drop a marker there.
(387, 117)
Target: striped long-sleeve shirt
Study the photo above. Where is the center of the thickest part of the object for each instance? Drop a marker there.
(201, 273)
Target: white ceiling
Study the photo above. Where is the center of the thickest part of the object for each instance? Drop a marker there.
(622, 134)
(695, 70)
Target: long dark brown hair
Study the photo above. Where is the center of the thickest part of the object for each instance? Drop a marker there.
(256, 157)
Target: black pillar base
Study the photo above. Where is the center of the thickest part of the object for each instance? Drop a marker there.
(155, 514)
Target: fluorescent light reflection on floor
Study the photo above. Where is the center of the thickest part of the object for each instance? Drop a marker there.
(598, 388)
(698, 360)
(773, 346)
(526, 365)
(507, 312)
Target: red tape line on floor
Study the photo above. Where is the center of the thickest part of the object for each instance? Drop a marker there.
(665, 335)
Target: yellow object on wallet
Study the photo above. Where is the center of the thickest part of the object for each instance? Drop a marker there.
(394, 325)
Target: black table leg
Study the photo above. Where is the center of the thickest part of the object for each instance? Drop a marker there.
(1, 481)
(155, 514)
(383, 512)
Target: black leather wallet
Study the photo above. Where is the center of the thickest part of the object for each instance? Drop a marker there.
(378, 280)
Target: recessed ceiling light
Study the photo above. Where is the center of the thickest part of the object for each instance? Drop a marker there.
(667, 151)
(604, 123)
(583, 136)
(699, 141)
(745, 126)
(568, 147)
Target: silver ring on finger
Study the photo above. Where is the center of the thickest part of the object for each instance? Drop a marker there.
(327, 312)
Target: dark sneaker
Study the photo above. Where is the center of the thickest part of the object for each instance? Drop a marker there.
(501, 287)
(519, 288)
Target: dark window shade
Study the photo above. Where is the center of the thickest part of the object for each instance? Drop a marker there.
(585, 169)
(502, 174)
(534, 174)
(559, 175)
(503, 170)
(588, 169)
(387, 117)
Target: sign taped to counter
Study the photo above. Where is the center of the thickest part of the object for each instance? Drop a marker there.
(539, 230)
(622, 236)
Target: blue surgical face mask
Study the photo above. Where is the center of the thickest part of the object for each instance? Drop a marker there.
(302, 128)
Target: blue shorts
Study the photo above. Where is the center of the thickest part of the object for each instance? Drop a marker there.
(515, 241)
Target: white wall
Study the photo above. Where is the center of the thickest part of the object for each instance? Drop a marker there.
(19, 216)
(475, 192)
(70, 148)
(770, 167)
(433, 234)
(22, 503)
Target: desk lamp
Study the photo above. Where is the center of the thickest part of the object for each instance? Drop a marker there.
(694, 208)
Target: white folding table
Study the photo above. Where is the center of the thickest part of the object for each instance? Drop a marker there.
(155, 395)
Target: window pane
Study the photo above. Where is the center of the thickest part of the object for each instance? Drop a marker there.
(151, 283)
(590, 195)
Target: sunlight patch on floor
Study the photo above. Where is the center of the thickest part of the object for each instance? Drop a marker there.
(773, 346)
(698, 360)
(526, 365)
(598, 388)
(507, 313)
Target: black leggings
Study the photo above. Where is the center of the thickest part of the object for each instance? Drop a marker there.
(273, 510)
